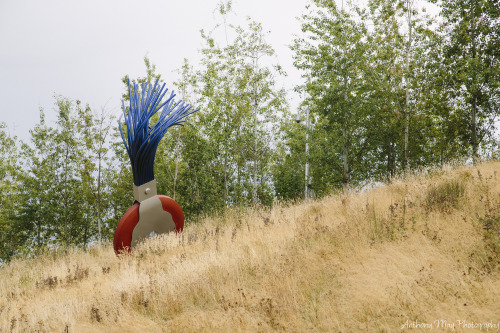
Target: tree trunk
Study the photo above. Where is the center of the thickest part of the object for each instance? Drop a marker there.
(177, 144)
(345, 160)
(474, 131)
(407, 82)
(475, 143)
(99, 196)
(66, 222)
(254, 187)
(390, 160)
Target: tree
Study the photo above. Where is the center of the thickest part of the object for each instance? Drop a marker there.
(389, 89)
(102, 127)
(239, 102)
(10, 238)
(444, 130)
(37, 218)
(335, 56)
(58, 205)
(471, 55)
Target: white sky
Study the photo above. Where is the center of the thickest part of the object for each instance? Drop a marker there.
(81, 49)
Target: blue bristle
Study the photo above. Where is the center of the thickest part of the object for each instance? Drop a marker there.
(142, 139)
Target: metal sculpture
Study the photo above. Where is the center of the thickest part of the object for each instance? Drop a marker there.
(151, 213)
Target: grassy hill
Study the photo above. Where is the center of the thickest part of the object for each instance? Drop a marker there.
(421, 252)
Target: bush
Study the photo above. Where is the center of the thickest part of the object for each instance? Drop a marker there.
(444, 195)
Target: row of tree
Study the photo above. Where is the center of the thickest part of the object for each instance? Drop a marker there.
(389, 89)
(393, 88)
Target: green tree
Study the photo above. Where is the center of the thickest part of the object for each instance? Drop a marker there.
(10, 234)
(334, 55)
(239, 103)
(389, 91)
(445, 130)
(37, 196)
(471, 55)
(99, 134)
(400, 40)
(288, 170)
(60, 191)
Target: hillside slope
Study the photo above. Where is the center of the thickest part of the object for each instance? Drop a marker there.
(420, 252)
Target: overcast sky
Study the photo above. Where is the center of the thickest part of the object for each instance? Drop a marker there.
(81, 49)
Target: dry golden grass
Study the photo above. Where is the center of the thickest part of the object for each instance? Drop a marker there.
(412, 252)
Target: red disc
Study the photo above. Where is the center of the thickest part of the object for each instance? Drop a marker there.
(171, 206)
(124, 229)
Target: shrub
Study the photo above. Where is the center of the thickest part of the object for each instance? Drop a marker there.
(444, 195)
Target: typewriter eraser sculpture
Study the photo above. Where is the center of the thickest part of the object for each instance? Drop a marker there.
(151, 213)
